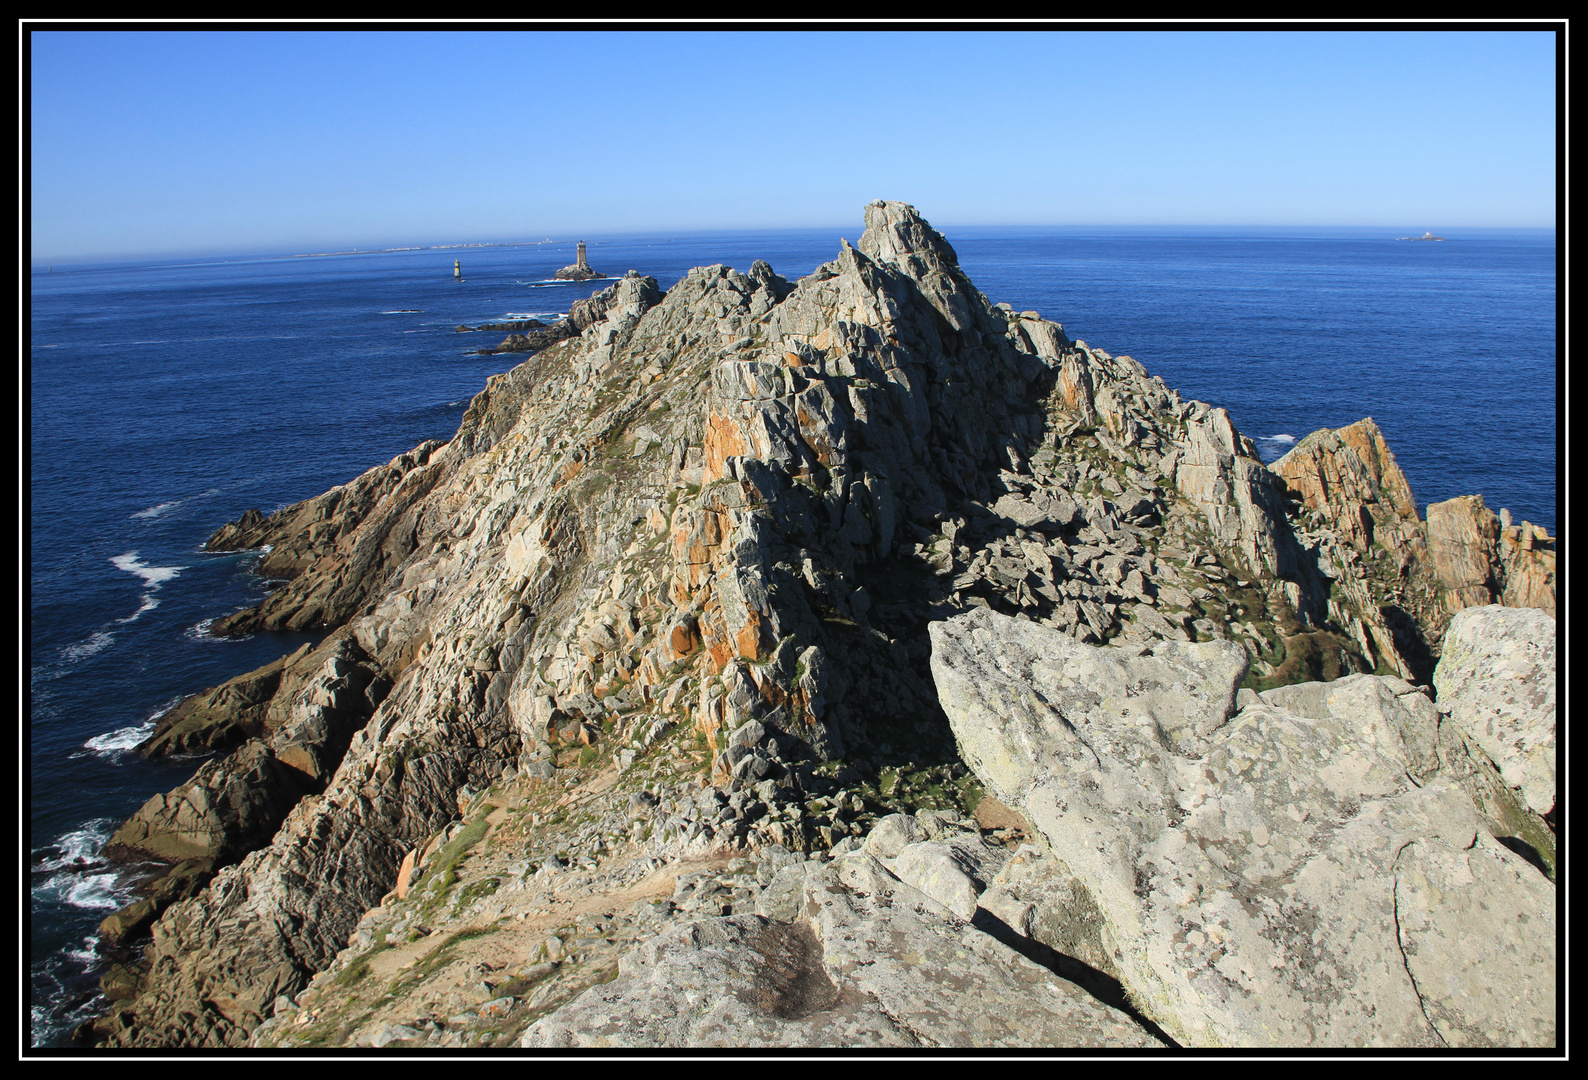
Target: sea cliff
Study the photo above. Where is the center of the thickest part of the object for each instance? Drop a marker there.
(767, 638)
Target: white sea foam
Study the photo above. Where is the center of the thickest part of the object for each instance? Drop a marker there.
(92, 892)
(78, 848)
(404, 311)
(156, 511)
(115, 742)
(200, 632)
(153, 576)
(149, 604)
(82, 650)
(84, 953)
(1287, 439)
(77, 876)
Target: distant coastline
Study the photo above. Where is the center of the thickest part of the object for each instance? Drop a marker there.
(421, 247)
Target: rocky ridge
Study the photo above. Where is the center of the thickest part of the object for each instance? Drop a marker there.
(703, 541)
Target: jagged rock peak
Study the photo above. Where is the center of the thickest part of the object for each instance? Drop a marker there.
(895, 231)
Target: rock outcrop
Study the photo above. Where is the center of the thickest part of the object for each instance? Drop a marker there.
(867, 961)
(1480, 559)
(663, 601)
(1404, 577)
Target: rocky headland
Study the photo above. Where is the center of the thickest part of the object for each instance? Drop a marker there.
(857, 662)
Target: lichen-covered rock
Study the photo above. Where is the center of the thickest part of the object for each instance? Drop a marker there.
(953, 870)
(1039, 898)
(1496, 678)
(1249, 870)
(869, 962)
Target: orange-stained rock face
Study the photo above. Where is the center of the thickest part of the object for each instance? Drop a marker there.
(1076, 388)
(1350, 476)
(700, 540)
(723, 440)
(1367, 440)
(682, 639)
(721, 652)
(1477, 562)
(748, 638)
(402, 875)
(1462, 537)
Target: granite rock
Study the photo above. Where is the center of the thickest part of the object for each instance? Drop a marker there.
(1496, 677)
(1249, 874)
(869, 962)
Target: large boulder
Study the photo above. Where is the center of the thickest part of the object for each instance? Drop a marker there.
(868, 962)
(1263, 879)
(1496, 676)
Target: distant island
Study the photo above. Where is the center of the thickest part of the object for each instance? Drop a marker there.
(1424, 236)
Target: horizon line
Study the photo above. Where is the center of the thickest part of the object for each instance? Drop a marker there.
(331, 251)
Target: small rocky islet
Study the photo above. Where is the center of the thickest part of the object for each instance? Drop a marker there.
(856, 662)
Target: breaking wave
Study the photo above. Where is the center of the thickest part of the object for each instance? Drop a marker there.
(70, 871)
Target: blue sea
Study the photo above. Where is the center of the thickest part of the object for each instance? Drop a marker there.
(165, 398)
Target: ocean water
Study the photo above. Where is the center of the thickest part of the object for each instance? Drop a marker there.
(167, 398)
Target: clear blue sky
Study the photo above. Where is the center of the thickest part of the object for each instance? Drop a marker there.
(150, 142)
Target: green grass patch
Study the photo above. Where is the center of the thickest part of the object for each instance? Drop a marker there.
(359, 967)
(1319, 656)
(479, 890)
(438, 957)
(441, 874)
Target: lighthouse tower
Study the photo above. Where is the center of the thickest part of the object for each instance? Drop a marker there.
(581, 263)
(457, 269)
